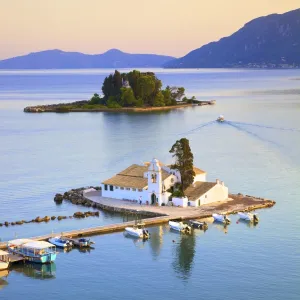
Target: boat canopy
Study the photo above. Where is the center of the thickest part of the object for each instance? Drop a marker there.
(38, 245)
(19, 242)
(30, 244)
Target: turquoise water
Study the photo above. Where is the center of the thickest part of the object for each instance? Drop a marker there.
(41, 154)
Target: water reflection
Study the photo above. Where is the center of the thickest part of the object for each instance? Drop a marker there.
(247, 223)
(3, 275)
(36, 271)
(156, 240)
(184, 255)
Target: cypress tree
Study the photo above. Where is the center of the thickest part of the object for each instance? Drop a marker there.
(184, 161)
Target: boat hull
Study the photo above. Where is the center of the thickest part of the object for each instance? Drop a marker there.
(59, 244)
(248, 217)
(137, 233)
(42, 259)
(3, 265)
(221, 219)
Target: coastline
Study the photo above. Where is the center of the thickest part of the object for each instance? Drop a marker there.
(63, 108)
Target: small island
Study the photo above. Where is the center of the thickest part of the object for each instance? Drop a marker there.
(133, 91)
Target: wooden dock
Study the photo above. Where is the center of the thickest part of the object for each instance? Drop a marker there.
(97, 230)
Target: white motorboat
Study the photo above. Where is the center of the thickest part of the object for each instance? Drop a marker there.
(137, 232)
(60, 242)
(221, 119)
(221, 218)
(4, 260)
(179, 226)
(248, 217)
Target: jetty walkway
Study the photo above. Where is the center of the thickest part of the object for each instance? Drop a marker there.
(162, 214)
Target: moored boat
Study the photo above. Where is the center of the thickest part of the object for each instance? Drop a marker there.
(199, 225)
(248, 217)
(81, 242)
(221, 118)
(4, 260)
(33, 251)
(221, 218)
(60, 242)
(137, 232)
(179, 226)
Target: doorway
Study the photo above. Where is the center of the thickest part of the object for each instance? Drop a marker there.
(153, 199)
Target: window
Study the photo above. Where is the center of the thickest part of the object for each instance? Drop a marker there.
(116, 187)
(122, 188)
(105, 187)
(205, 196)
(128, 189)
(111, 188)
(172, 180)
(140, 190)
(134, 190)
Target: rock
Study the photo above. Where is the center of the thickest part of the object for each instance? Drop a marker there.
(79, 214)
(59, 218)
(97, 213)
(53, 218)
(1, 224)
(13, 223)
(58, 198)
(6, 223)
(19, 222)
(47, 219)
(38, 220)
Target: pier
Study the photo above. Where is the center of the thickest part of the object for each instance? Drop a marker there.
(161, 214)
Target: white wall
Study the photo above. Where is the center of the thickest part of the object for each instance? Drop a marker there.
(124, 194)
(180, 201)
(200, 177)
(168, 181)
(218, 193)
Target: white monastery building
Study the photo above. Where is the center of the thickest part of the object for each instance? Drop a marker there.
(149, 183)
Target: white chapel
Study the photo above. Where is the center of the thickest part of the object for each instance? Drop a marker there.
(149, 184)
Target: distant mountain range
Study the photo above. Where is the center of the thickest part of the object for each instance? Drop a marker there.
(265, 42)
(57, 59)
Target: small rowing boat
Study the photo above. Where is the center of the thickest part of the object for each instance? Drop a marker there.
(179, 226)
(137, 232)
(221, 218)
(248, 217)
(199, 225)
(60, 242)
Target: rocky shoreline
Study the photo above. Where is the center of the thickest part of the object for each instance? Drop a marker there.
(76, 197)
(78, 106)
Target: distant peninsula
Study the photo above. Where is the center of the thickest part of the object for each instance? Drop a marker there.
(133, 91)
(58, 59)
(272, 41)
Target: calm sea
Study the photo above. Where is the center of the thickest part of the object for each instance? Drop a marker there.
(42, 154)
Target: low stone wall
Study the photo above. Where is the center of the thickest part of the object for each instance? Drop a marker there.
(48, 218)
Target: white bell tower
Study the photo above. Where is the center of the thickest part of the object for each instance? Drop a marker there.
(154, 183)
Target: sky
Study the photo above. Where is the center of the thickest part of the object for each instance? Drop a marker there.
(170, 27)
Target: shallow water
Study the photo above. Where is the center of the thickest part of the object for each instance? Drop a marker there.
(41, 154)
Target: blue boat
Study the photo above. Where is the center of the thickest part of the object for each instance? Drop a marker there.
(33, 251)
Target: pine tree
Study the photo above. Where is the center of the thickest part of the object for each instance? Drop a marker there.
(184, 161)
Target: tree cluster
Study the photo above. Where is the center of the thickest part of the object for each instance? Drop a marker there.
(136, 89)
